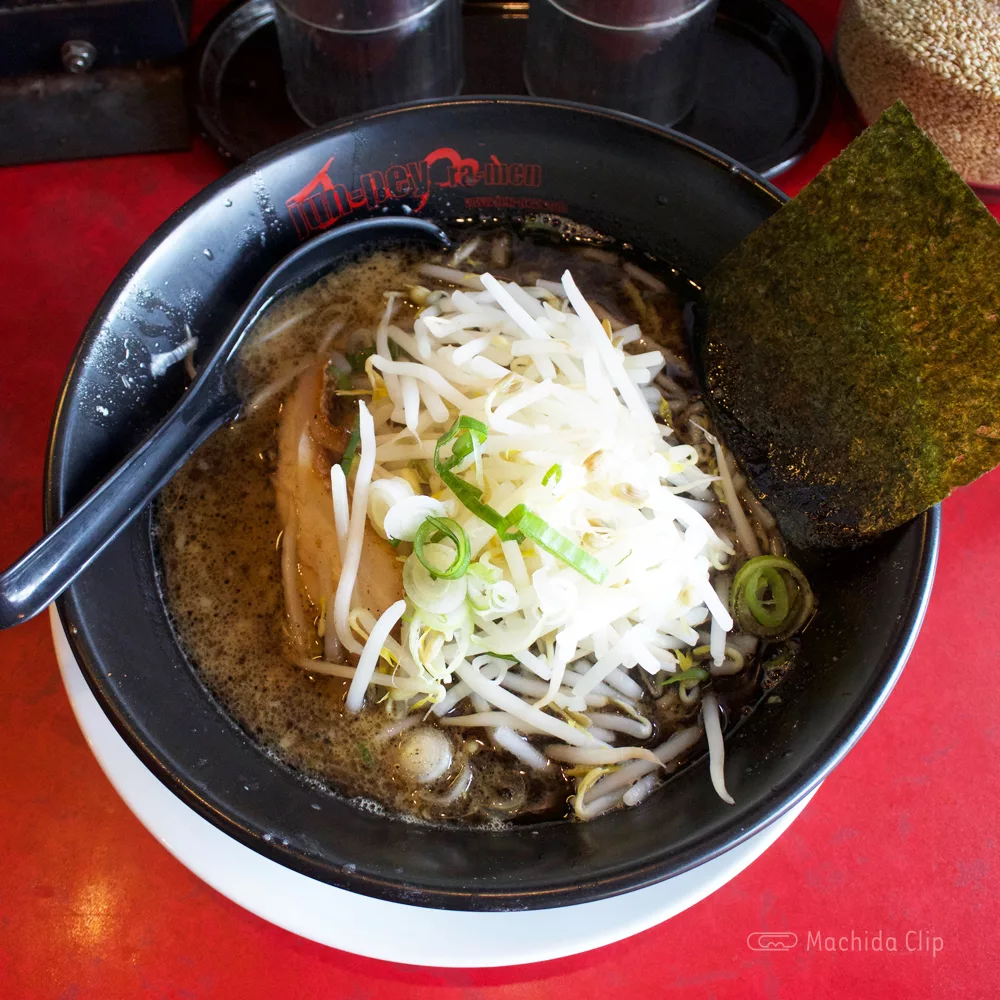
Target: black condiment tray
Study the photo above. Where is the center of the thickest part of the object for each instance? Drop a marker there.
(765, 94)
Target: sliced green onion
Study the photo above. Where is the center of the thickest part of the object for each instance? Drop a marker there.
(508, 529)
(773, 615)
(520, 522)
(691, 675)
(790, 605)
(433, 530)
(352, 446)
(463, 427)
(554, 472)
(478, 601)
(468, 495)
(366, 755)
(500, 597)
(462, 448)
(449, 623)
(489, 574)
(503, 596)
(428, 593)
(561, 547)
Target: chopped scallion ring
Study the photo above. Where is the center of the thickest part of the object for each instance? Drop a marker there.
(433, 530)
(791, 598)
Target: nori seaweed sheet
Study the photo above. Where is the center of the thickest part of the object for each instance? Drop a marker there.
(850, 346)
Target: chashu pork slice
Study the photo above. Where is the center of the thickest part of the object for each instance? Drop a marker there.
(305, 506)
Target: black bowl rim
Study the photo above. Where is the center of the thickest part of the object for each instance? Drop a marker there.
(822, 761)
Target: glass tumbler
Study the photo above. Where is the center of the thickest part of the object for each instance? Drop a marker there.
(639, 56)
(345, 56)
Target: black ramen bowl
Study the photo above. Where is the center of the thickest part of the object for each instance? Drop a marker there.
(663, 193)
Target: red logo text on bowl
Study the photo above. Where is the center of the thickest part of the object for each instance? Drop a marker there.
(327, 200)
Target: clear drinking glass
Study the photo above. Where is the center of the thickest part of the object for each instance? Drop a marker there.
(345, 56)
(639, 56)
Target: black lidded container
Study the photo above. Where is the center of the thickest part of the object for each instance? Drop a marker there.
(491, 158)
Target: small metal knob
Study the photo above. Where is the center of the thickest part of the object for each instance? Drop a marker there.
(77, 55)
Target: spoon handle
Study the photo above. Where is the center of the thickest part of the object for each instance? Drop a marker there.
(50, 566)
(212, 400)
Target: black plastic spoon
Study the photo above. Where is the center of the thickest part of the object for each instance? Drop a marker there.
(213, 400)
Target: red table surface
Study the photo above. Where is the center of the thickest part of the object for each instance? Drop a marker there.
(900, 841)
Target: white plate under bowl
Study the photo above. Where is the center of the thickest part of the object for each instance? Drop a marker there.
(375, 928)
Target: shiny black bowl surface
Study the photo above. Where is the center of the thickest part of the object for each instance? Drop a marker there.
(503, 158)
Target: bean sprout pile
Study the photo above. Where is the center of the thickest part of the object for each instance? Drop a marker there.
(566, 558)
